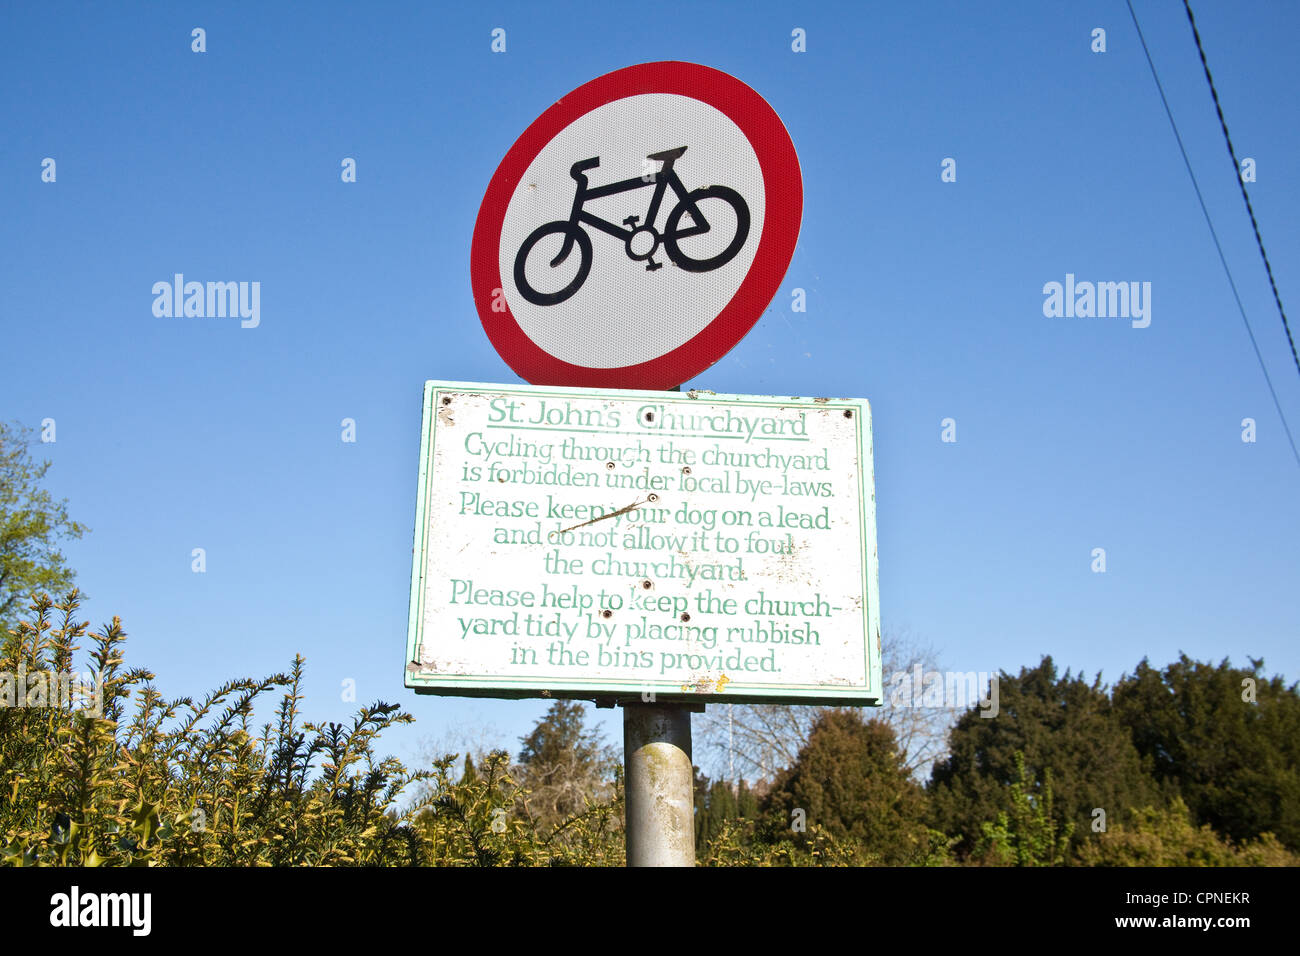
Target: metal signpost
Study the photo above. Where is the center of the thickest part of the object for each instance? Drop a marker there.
(594, 535)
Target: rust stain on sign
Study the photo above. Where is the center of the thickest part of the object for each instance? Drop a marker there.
(706, 685)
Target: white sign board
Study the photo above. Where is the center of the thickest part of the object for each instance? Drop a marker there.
(597, 543)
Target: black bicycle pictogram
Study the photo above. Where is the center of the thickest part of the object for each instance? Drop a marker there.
(641, 239)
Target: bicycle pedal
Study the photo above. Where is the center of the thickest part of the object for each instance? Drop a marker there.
(653, 266)
(631, 220)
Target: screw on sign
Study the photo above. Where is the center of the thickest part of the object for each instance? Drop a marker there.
(637, 229)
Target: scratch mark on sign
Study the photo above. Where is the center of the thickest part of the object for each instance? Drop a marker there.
(612, 514)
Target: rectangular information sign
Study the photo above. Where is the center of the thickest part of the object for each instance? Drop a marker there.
(611, 544)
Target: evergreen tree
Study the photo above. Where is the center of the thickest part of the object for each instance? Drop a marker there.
(468, 775)
(1065, 726)
(700, 798)
(1227, 739)
(718, 809)
(850, 780)
(746, 802)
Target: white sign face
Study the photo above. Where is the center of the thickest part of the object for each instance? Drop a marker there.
(614, 544)
(647, 306)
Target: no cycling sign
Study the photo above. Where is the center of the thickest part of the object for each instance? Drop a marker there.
(637, 229)
(593, 534)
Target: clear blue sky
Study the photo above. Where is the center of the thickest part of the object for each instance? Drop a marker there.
(924, 297)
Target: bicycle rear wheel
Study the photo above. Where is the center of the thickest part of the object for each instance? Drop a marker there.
(695, 196)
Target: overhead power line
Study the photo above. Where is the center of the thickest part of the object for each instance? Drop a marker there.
(1213, 233)
(1236, 165)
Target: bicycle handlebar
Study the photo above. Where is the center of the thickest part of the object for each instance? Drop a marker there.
(582, 165)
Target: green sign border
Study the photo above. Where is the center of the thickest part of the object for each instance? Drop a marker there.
(611, 690)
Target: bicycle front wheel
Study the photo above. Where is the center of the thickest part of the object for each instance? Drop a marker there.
(710, 197)
(572, 233)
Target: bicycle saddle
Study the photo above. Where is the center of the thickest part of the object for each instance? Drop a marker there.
(668, 154)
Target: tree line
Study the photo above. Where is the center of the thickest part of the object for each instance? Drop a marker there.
(1189, 764)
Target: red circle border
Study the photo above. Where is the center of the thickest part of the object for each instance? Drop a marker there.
(783, 214)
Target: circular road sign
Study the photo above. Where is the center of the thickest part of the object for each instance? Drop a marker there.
(637, 229)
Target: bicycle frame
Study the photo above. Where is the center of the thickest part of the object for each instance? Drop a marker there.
(661, 180)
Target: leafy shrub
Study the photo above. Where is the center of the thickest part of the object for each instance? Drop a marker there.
(184, 782)
(483, 820)
(194, 783)
(1031, 833)
(1169, 837)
